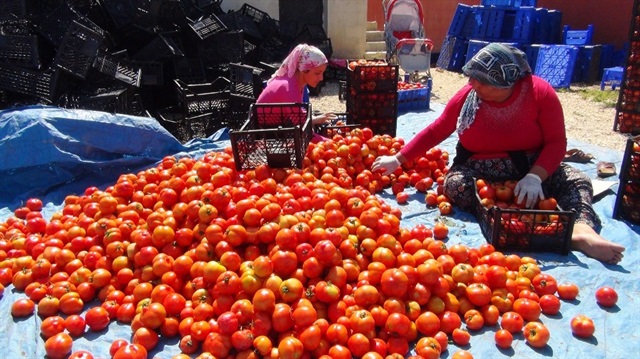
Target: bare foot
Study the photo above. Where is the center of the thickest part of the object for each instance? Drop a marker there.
(589, 242)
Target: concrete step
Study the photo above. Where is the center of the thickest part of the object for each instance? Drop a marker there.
(375, 55)
(372, 25)
(376, 46)
(375, 35)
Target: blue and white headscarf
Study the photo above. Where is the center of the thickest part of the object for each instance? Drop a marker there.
(496, 64)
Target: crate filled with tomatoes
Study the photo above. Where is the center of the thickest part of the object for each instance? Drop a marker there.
(337, 126)
(275, 134)
(628, 108)
(509, 227)
(372, 75)
(413, 96)
(372, 95)
(627, 204)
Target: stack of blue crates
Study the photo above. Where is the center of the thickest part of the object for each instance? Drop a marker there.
(521, 24)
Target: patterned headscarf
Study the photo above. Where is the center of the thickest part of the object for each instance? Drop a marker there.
(303, 58)
(496, 64)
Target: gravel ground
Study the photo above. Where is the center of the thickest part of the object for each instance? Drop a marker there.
(586, 121)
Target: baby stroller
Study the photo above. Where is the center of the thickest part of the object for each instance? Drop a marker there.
(414, 56)
(403, 19)
(404, 37)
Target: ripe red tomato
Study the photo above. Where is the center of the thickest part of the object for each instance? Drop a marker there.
(131, 351)
(536, 334)
(582, 326)
(568, 291)
(503, 338)
(51, 326)
(81, 354)
(22, 307)
(544, 284)
(529, 310)
(512, 322)
(549, 304)
(606, 296)
(461, 337)
(479, 294)
(58, 346)
(97, 318)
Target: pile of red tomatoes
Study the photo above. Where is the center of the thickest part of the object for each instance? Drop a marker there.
(267, 263)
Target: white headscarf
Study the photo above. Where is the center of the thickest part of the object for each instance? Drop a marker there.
(303, 58)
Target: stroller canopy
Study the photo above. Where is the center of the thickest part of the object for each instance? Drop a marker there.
(403, 15)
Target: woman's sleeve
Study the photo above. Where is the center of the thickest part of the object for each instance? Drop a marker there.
(551, 119)
(439, 130)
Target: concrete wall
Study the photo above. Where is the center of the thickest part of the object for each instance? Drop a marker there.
(346, 25)
(344, 21)
(268, 6)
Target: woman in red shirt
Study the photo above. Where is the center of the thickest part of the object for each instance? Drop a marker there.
(510, 125)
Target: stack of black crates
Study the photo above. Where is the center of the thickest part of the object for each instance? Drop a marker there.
(628, 107)
(188, 63)
(536, 31)
(372, 96)
(627, 204)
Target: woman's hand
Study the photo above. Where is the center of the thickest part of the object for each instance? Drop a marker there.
(530, 187)
(323, 119)
(385, 164)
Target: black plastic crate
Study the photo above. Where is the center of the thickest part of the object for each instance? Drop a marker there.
(118, 69)
(627, 204)
(373, 77)
(201, 98)
(238, 111)
(245, 80)
(20, 50)
(12, 9)
(121, 12)
(207, 26)
(375, 110)
(15, 27)
(78, 49)
(223, 47)
(240, 22)
(146, 14)
(338, 126)
(112, 100)
(189, 70)
(162, 47)
(272, 50)
(39, 84)
(527, 230)
(275, 134)
(53, 25)
(152, 72)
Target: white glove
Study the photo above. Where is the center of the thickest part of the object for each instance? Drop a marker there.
(385, 164)
(531, 188)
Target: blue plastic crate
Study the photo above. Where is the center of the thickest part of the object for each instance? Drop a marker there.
(509, 3)
(577, 37)
(493, 28)
(606, 57)
(555, 64)
(531, 50)
(415, 99)
(452, 53)
(473, 48)
(547, 26)
(476, 45)
(587, 67)
(524, 23)
(462, 24)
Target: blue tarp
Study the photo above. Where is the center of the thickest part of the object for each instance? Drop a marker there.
(50, 153)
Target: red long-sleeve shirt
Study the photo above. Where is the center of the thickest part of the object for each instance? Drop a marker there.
(530, 120)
